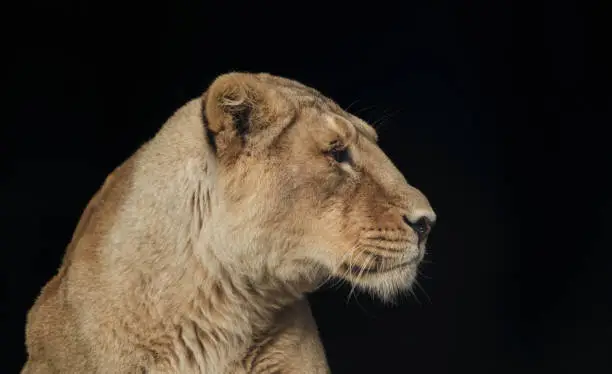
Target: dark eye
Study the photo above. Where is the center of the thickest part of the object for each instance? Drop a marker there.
(338, 153)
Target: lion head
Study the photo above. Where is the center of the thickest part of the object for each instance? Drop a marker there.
(305, 189)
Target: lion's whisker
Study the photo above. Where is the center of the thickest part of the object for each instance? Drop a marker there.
(339, 280)
(350, 105)
(418, 285)
(359, 276)
(378, 124)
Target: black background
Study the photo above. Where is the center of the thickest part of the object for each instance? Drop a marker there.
(497, 111)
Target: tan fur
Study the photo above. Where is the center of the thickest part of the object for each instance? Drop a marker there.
(196, 253)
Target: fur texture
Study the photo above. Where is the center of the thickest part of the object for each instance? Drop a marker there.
(196, 253)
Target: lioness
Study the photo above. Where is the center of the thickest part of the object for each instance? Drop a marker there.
(196, 253)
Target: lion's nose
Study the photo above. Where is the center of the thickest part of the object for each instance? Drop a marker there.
(421, 226)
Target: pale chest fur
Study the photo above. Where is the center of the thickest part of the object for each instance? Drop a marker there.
(211, 332)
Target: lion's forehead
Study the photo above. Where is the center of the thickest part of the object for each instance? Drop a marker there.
(309, 99)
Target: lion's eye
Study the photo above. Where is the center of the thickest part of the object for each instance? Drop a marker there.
(338, 153)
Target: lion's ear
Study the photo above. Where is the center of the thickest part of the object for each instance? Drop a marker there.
(234, 104)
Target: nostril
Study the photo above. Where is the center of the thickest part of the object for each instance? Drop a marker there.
(421, 226)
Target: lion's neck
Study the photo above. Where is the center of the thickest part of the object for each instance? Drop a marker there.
(218, 319)
(200, 319)
(197, 313)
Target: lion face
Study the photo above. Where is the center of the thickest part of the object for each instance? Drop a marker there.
(307, 191)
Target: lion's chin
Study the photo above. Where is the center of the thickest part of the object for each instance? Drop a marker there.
(386, 284)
